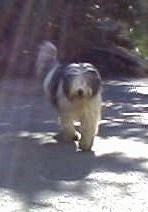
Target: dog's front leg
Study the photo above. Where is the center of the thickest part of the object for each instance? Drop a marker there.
(68, 128)
(89, 128)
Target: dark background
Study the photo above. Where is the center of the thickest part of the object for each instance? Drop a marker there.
(110, 34)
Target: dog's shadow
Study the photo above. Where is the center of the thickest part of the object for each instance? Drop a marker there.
(29, 164)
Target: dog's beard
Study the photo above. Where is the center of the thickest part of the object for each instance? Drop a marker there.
(80, 87)
(79, 90)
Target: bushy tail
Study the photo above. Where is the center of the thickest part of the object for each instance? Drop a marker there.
(46, 58)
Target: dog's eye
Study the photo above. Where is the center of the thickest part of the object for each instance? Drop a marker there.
(92, 75)
(68, 78)
(93, 80)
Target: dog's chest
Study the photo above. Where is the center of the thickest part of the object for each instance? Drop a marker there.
(83, 107)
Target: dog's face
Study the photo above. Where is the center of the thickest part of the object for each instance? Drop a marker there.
(81, 81)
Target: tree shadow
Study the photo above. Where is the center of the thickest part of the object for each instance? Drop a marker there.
(125, 112)
(30, 165)
(32, 161)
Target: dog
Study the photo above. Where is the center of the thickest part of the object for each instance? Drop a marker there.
(75, 91)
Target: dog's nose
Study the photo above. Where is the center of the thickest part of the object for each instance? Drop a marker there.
(80, 92)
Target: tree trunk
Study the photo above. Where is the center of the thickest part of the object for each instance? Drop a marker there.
(19, 36)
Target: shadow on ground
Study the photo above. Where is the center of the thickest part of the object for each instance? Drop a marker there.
(31, 161)
(125, 111)
(29, 166)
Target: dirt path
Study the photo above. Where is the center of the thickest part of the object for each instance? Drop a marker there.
(37, 173)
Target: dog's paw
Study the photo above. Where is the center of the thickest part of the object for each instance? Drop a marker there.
(66, 137)
(85, 147)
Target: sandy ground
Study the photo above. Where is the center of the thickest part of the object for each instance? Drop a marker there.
(40, 174)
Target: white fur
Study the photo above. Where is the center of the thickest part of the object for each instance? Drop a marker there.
(85, 110)
(80, 84)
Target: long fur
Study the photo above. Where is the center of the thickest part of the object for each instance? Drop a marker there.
(75, 91)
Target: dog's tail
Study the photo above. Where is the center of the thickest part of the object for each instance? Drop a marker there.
(46, 58)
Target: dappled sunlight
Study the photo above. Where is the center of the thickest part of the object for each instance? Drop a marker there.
(136, 84)
(125, 110)
(39, 169)
(10, 200)
(140, 90)
(129, 147)
(35, 166)
(40, 137)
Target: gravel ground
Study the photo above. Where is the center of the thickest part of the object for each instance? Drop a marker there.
(40, 174)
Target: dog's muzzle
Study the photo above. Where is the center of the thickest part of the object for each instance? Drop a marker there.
(80, 93)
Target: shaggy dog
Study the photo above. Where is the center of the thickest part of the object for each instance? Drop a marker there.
(75, 91)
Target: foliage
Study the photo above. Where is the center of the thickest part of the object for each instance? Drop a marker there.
(76, 27)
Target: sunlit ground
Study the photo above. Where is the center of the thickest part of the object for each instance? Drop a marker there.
(39, 173)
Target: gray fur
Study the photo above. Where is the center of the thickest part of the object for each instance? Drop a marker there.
(90, 73)
(75, 92)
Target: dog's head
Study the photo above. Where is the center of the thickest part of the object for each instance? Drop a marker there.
(81, 80)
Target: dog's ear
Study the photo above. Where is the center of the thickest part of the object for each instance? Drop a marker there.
(46, 58)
